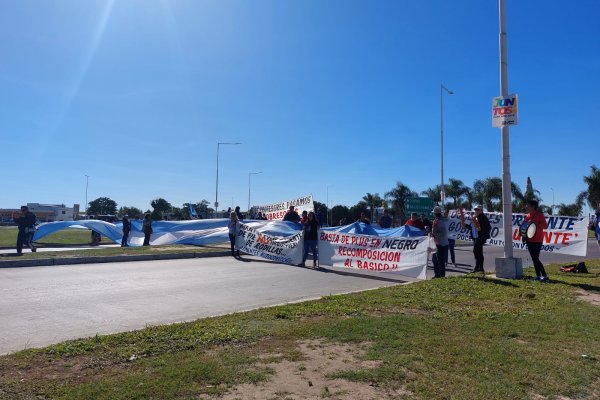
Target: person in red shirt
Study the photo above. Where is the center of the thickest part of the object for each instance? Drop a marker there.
(415, 221)
(534, 245)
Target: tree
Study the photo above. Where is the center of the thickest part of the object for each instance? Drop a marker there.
(340, 215)
(357, 209)
(572, 210)
(102, 206)
(487, 191)
(161, 207)
(592, 194)
(434, 193)
(397, 196)
(456, 190)
(372, 201)
(131, 212)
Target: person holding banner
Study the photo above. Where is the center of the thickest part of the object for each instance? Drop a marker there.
(439, 231)
(597, 224)
(480, 230)
(232, 227)
(147, 229)
(291, 215)
(534, 244)
(311, 239)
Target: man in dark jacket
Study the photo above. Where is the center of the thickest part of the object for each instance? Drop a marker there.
(291, 215)
(480, 229)
(26, 223)
(126, 230)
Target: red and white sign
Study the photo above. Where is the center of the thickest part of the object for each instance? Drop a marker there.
(277, 211)
(404, 255)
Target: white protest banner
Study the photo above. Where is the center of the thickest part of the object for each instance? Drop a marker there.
(403, 255)
(278, 210)
(564, 235)
(282, 249)
(505, 111)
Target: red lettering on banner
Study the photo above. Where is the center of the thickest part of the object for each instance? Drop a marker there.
(348, 263)
(330, 237)
(566, 238)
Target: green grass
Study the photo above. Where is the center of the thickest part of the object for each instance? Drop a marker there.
(464, 337)
(65, 237)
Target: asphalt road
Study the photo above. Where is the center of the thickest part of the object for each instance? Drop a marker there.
(45, 305)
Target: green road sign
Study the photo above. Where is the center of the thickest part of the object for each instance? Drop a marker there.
(420, 205)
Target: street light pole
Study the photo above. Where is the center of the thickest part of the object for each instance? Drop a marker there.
(552, 209)
(328, 224)
(250, 173)
(217, 186)
(442, 191)
(87, 178)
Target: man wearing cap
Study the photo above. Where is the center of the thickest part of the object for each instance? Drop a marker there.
(439, 231)
(480, 230)
(26, 224)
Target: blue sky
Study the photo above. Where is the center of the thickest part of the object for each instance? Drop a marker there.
(346, 94)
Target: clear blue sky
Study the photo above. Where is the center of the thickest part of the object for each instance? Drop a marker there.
(337, 93)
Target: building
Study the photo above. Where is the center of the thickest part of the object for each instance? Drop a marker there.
(43, 212)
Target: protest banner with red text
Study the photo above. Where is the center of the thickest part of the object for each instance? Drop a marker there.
(564, 235)
(277, 211)
(403, 255)
(281, 249)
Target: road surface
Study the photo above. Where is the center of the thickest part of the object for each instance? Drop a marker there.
(45, 305)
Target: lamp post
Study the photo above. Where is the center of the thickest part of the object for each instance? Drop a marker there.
(217, 186)
(328, 204)
(87, 178)
(552, 209)
(250, 174)
(442, 89)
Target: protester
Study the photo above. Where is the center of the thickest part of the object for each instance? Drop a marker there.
(451, 244)
(534, 244)
(480, 230)
(261, 216)
(239, 213)
(304, 217)
(311, 238)
(126, 230)
(26, 225)
(364, 219)
(439, 231)
(414, 221)
(291, 215)
(232, 226)
(147, 229)
(426, 223)
(385, 221)
(598, 226)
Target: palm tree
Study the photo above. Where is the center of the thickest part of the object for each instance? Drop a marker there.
(433, 193)
(488, 190)
(456, 189)
(398, 195)
(592, 194)
(373, 200)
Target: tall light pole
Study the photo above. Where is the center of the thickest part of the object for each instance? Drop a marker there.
(328, 204)
(507, 267)
(442, 89)
(87, 179)
(249, 174)
(552, 209)
(217, 187)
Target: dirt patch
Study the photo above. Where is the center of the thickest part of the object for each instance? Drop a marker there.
(590, 297)
(305, 376)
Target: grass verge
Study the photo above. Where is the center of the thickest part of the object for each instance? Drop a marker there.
(467, 337)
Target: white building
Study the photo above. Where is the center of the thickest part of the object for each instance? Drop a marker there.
(53, 212)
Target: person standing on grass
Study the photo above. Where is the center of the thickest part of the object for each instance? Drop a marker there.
(439, 231)
(534, 245)
(147, 229)
(597, 225)
(480, 230)
(311, 238)
(126, 230)
(26, 225)
(232, 227)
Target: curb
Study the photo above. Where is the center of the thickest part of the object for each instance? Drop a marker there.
(40, 262)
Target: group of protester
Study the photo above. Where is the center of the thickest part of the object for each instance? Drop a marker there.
(480, 230)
